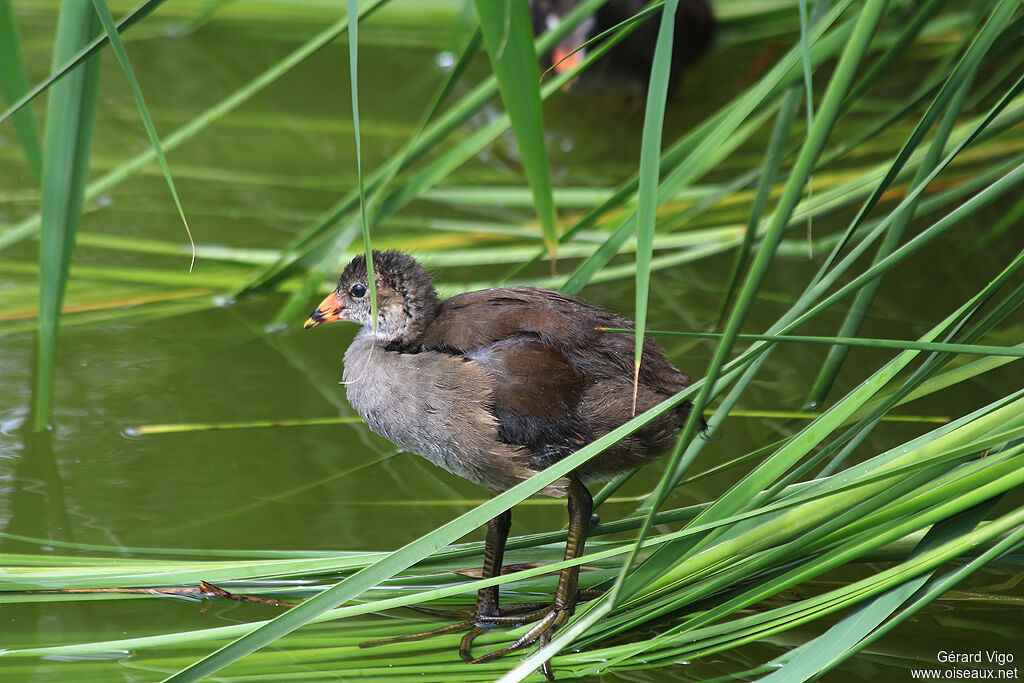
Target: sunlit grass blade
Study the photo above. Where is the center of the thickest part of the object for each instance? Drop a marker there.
(805, 63)
(168, 428)
(947, 104)
(870, 15)
(935, 588)
(841, 640)
(508, 36)
(69, 124)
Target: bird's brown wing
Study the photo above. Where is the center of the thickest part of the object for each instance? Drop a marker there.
(536, 396)
(515, 334)
(474, 319)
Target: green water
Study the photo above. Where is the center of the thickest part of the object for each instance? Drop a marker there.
(253, 180)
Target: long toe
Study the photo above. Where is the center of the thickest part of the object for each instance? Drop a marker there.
(545, 668)
(453, 614)
(413, 637)
(550, 622)
(466, 644)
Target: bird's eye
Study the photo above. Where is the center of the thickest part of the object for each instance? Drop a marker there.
(358, 291)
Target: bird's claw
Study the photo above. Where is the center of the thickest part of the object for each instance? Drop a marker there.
(469, 621)
(549, 620)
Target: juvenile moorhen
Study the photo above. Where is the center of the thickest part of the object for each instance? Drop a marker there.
(631, 58)
(496, 385)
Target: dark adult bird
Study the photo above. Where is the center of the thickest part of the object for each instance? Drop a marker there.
(495, 386)
(631, 58)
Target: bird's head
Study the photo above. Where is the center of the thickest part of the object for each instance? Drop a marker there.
(406, 300)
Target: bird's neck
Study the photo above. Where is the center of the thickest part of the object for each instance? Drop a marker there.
(403, 337)
(403, 330)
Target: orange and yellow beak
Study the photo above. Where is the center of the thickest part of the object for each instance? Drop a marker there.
(329, 310)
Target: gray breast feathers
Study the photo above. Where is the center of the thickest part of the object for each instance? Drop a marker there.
(435, 405)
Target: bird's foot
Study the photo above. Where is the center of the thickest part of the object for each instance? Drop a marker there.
(412, 637)
(548, 620)
(453, 614)
(468, 620)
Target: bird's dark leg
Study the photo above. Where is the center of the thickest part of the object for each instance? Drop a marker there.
(487, 598)
(580, 508)
(548, 618)
(487, 614)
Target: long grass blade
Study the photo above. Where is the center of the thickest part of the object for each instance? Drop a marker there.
(820, 655)
(353, 71)
(30, 226)
(867, 21)
(508, 36)
(647, 187)
(411, 553)
(863, 342)
(122, 57)
(69, 125)
(769, 171)
(947, 103)
(72, 62)
(934, 589)
(13, 84)
(721, 134)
